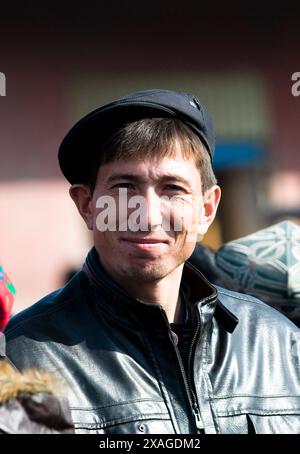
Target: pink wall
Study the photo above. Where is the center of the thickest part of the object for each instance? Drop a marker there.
(42, 236)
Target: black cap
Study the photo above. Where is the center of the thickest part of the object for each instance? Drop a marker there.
(76, 148)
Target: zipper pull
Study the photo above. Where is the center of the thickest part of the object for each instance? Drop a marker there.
(198, 420)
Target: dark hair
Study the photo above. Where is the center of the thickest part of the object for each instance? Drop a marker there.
(144, 138)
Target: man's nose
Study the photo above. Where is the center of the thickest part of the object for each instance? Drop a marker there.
(153, 208)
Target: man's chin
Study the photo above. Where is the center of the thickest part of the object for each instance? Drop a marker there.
(147, 272)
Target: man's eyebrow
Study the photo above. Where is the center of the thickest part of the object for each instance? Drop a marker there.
(137, 178)
(177, 178)
(124, 176)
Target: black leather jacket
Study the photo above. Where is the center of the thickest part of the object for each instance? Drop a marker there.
(124, 370)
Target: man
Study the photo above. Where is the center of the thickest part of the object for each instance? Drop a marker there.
(144, 341)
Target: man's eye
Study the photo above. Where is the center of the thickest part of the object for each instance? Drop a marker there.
(174, 187)
(123, 185)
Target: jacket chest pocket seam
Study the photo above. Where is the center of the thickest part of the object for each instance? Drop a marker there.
(119, 421)
(262, 413)
(104, 417)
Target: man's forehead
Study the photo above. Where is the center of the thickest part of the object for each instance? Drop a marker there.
(167, 167)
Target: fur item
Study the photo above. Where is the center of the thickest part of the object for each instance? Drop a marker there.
(13, 383)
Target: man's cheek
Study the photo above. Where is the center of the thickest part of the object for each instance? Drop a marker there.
(182, 215)
(193, 234)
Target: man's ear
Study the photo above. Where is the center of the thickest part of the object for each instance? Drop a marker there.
(211, 201)
(82, 197)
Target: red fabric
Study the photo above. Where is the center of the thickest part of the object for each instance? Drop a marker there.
(7, 292)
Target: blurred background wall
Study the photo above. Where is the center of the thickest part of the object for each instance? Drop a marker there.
(60, 60)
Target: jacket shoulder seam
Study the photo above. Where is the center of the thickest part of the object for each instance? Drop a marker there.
(247, 298)
(56, 308)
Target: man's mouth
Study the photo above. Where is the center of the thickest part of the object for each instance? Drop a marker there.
(144, 240)
(144, 243)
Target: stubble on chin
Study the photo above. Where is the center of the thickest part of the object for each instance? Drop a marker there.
(148, 272)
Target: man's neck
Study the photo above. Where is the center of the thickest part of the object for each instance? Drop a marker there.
(164, 292)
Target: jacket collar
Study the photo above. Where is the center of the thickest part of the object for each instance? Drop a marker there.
(112, 298)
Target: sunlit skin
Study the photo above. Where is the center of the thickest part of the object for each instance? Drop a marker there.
(149, 264)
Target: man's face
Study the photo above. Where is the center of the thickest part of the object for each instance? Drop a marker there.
(146, 215)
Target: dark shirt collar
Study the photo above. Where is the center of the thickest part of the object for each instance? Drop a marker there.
(110, 297)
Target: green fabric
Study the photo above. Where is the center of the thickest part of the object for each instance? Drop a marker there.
(265, 264)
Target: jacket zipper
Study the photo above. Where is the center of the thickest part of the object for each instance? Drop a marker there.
(198, 419)
(188, 381)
